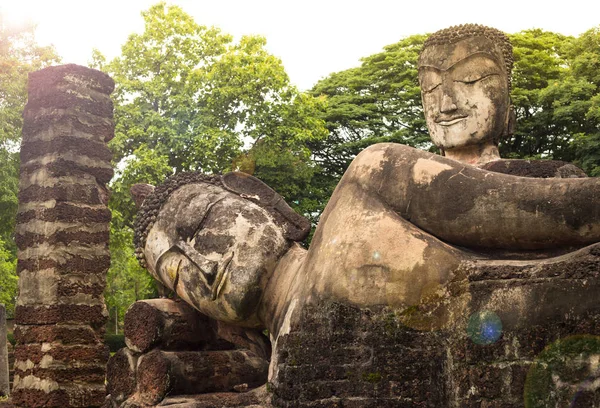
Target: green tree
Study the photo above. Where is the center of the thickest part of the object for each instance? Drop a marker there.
(575, 99)
(8, 279)
(540, 61)
(9, 187)
(193, 96)
(19, 55)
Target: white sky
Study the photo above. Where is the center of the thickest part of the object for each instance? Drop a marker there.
(312, 37)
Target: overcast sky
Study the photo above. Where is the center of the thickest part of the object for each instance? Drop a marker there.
(312, 37)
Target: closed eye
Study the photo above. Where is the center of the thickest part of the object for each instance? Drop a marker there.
(431, 88)
(203, 220)
(472, 80)
(429, 79)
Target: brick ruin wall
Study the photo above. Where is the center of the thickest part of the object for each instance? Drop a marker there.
(62, 237)
(529, 337)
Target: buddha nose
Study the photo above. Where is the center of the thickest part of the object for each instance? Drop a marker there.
(448, 104)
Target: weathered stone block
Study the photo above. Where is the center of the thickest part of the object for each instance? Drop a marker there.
(161, 373)
(121, 375)
(365, 366)
(64, 333)
(48, 124)
(168, 325)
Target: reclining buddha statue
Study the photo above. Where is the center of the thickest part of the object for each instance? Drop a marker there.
(412, 251)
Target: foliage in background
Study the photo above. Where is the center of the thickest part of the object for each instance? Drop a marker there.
(9, 187)
(19, 55)
(539, 61)
(8, 279)
(575, 99)
(199, 101)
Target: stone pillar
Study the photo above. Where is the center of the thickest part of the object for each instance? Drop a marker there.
(4, 376)
(62, 237)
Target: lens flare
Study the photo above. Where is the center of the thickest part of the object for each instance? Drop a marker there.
(484, 327)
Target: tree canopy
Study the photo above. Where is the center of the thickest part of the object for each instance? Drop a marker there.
(200, 101)
(575, 100)
(379, 101)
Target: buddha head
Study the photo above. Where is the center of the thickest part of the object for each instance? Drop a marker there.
(216, 240)
(465, 78)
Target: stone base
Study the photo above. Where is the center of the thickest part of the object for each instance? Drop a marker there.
(257, 398)
(342, 356)
(252, 399)
(527, 334)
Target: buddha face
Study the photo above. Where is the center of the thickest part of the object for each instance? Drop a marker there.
(464, 88)
(216, 250)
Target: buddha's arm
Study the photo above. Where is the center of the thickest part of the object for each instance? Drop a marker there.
(467, 206)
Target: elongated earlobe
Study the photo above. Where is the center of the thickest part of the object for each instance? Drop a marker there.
(511, 118)
(509, 124)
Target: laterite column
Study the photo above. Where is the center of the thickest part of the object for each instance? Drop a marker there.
(62, 238)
